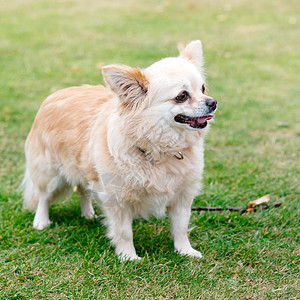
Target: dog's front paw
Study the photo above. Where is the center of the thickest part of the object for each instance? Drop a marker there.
(126, 252)
(41, 224)
(190, 252)
(125, 257)
(87, 211)
(89, 215)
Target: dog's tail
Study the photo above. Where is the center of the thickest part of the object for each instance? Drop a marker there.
(28, 189)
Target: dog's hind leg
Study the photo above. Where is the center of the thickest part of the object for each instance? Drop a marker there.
(87, 210)
(41, 218)
(45, 188)
(56, 188)
(37, 196)
(44, 180)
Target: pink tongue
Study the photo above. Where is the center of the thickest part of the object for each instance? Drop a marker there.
(200, 120)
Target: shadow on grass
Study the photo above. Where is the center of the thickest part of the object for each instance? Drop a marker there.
(70, 215)
(152, 237)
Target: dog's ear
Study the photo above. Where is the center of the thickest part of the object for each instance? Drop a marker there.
(130, 84)
(193, 52)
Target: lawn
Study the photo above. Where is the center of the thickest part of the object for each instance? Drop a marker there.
(252, 60)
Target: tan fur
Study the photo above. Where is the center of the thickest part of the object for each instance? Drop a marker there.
(75, 111)
(118, 144)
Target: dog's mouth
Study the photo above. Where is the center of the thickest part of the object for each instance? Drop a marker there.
(194, 122)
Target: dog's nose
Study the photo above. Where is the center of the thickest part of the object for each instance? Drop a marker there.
(211, 103)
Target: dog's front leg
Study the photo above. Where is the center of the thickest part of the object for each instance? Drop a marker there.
(119, 222)
(179, 214)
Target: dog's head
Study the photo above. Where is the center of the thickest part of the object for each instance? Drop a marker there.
(170, 93)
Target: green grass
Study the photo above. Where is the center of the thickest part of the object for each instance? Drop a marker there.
(252, 62)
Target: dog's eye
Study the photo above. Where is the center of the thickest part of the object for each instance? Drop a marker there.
(203, 89)
(182, 97)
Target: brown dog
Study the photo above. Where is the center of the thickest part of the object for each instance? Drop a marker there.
(136, 147)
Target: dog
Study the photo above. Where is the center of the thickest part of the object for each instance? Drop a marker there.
(135, 146)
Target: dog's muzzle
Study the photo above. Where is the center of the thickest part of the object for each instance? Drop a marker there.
(198, 122)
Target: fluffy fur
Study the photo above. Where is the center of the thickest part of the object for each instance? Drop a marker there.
(118, 145)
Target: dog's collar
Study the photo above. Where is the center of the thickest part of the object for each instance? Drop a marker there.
(178, 155)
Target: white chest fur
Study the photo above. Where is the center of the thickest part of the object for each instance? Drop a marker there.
(148, 187)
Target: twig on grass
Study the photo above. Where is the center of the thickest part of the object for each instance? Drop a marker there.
(242, 210)
(219, 208)
(252, 206)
